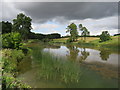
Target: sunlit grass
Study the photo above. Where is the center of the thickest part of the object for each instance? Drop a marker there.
(94, 42)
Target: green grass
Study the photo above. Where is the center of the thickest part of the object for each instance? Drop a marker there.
(63, 40)
(60, 40)
(54, 68)
(108, 44)
(92, 42)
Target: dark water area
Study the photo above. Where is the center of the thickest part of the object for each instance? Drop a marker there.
(69, 66)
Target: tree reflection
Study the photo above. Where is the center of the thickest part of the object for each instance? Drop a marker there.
(73, 52)
(84, 55)
(104, 54)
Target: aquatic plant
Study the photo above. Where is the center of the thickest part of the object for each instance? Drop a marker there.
(54, 68)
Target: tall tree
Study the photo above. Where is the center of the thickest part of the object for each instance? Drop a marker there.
(22, 24)
(6, 27)
(72, 28)
(84, 30)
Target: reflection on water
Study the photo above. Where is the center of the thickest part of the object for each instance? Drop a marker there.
(79, 54)
(70, 66)
(104, 54)
(53, 68)
(84, 54)
(72, 54)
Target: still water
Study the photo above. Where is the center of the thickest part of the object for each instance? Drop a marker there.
(69, 67)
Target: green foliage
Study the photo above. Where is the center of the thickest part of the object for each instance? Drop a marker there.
(105, 36)
(12, 82)
(6, 27)
(11, 59)
(11, 40)
(22, 24)
(72, 28)
(85, 31)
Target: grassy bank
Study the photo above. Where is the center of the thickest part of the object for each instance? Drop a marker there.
(92, 42)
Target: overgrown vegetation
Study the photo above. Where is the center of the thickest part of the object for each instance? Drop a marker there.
(11, 59)
(54, 68)
(13, 51)
(11, 40)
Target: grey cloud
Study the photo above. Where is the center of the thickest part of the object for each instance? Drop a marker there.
(46, 11)
(8, 11)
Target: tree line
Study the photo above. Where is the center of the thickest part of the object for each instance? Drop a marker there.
(22, 25)
(73, 30)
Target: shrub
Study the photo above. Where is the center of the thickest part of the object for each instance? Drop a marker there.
(11, 59)
(105, 36)
(11, 40)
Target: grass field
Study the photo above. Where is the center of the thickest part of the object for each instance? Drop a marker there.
(63, 40)
(93, 41)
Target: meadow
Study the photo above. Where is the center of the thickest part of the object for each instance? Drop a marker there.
(92, 42)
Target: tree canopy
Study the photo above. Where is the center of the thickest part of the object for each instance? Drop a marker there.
(6, 27)
(72, 28)
(105, 36)
(84, 30)
(22, 24)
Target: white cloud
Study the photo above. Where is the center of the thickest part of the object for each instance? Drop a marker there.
(50, 26)
(37, 26)
(96, 26)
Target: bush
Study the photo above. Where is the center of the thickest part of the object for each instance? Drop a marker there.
(11, 40)
(11, 59)
(105, 36)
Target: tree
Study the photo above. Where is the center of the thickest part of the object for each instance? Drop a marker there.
(6, 27)
(105, 36)
(72, 28)
(22, 24)
(84, 30)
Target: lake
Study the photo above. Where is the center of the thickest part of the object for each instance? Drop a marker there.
(69, 66)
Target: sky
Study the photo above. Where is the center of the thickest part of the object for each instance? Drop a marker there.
(54, 17)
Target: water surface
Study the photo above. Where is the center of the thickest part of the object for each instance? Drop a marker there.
(70, 67)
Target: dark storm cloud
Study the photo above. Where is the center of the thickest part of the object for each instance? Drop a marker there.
(44, 11)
